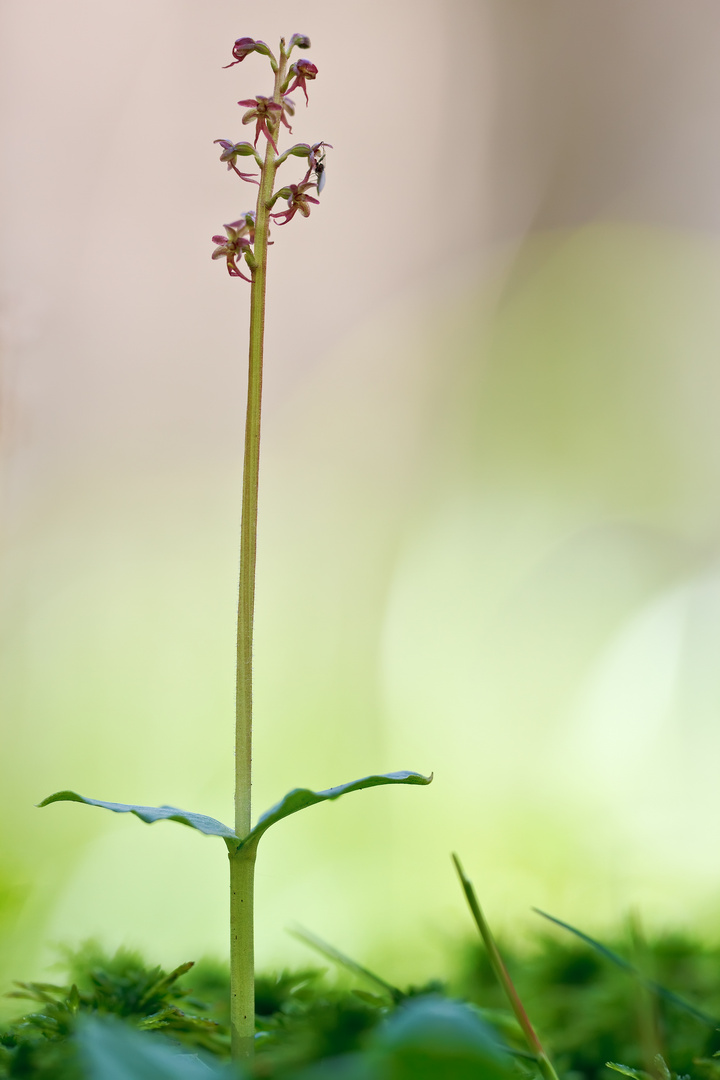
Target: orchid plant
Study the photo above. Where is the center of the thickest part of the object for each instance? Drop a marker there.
(244, 247)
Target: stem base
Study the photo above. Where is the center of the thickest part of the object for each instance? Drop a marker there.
(242, 952)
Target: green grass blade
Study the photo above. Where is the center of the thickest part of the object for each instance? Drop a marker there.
(613, 957)
(621, 962)
(334, 954)
(503, 976)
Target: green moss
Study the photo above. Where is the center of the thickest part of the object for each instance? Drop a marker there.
(586, 1010)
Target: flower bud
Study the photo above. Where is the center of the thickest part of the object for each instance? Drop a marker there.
(242, 48)
(244, 149)
(302, 41)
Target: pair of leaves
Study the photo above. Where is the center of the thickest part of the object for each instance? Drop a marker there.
(297, 799)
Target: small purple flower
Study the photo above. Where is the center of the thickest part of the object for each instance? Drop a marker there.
(302, 70)
(297, 200)
(239, 238)
(230, 153)
(264, 111)
(243, 47)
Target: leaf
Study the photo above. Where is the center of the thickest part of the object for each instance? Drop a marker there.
(111, 1050)
(434, 1038)
(209, 826)
(634, 1074)
(619, 961)
(299, 798)
(163, 984)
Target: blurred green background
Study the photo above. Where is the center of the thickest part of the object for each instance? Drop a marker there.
(489, 512)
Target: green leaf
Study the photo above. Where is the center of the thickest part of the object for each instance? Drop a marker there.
(299, 798)
(434, 1038)
(625, 1070)
(209, 826)
(111, 1050)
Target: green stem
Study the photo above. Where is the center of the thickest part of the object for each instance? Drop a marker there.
(242, 952)
(242, 863)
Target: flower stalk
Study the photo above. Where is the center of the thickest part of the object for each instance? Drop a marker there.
(242, 862)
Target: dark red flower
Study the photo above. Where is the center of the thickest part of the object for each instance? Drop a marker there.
(231, 152)
(263, 110)
(297, 200)
(240, 236)
(302, 70)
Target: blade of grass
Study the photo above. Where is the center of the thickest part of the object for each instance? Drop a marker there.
(334, 954)
(646, 1002)
(621, 962)
(503, 976)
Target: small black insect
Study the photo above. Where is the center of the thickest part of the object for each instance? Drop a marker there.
(320, 174)
(317, 163)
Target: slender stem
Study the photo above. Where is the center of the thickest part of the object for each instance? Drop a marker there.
(242, 863)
